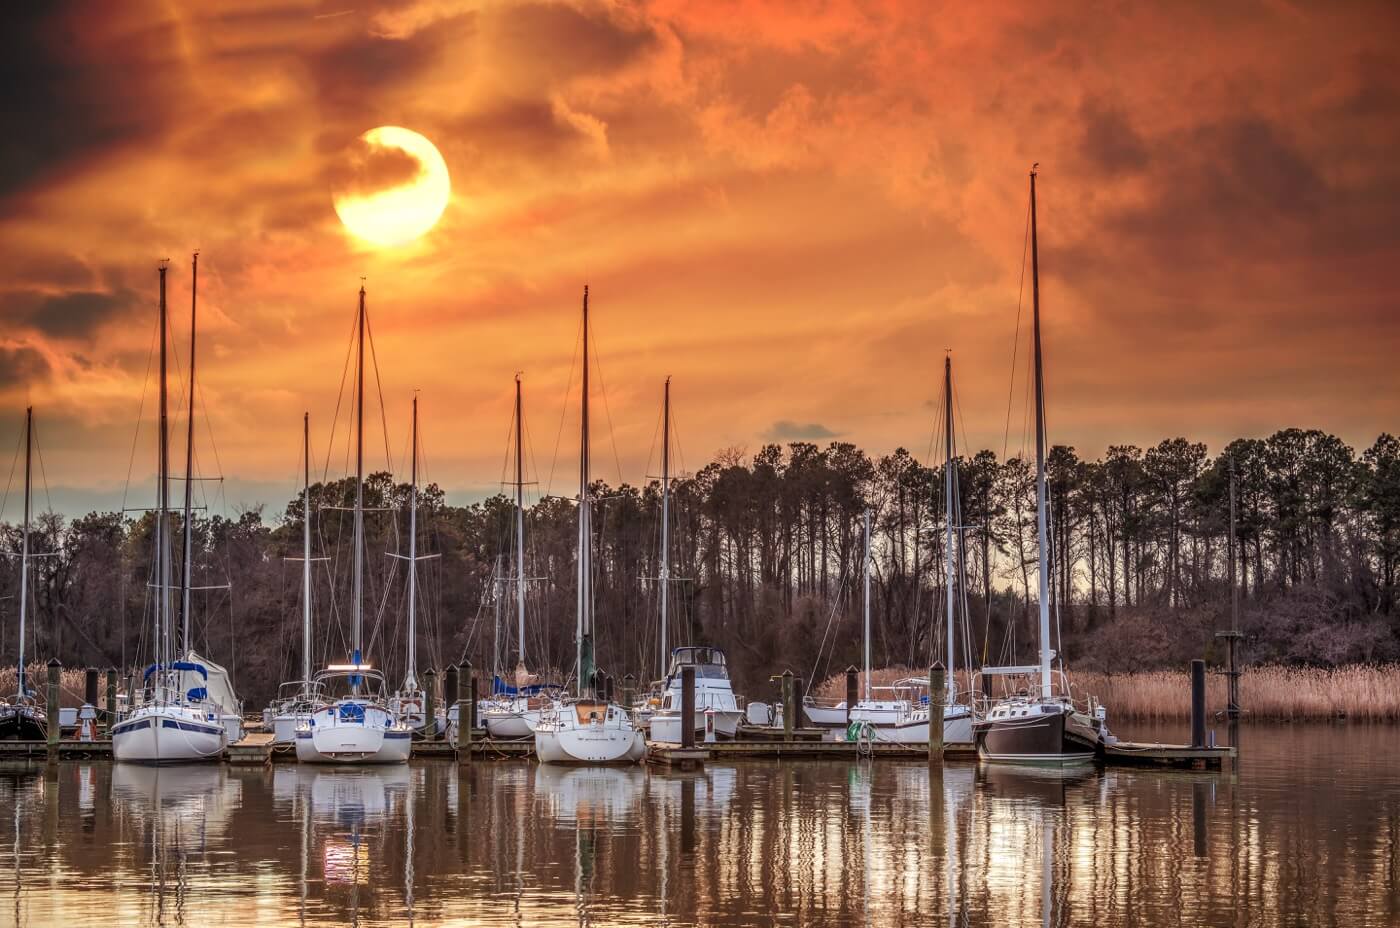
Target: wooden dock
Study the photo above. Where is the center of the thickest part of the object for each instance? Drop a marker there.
(253, 749)
(1178, 756)
(67, 750)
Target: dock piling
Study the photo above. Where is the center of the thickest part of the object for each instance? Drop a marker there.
(111, 699)
(51, 706)
(451, 689)
(90, 686)
(1198, 703)
(466, 718)
(852, 676)
(789, 705)
(687, 707)
(937, 697)
(430, 704)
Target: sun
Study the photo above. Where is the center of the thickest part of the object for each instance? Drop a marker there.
(390, 186)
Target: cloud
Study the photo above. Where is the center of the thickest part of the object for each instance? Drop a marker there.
(70, 314)
(788, 430)
(22, 364)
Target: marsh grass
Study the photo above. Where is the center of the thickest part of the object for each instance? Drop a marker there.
(70, 684)
(1360, 692)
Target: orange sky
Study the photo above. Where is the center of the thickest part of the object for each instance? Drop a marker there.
(791, 208)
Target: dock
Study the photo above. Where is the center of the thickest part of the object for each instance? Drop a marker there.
(67, 750)
(1177, 756)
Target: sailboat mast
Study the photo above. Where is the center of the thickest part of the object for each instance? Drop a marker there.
(359, 533)
(866, 636)
(306, 551)
(411, 683)
(948, 507)
(1042, 503)
(24, 544)
(665, 516)
(163, 497)
(186, 574)
(585, 536)
(520, 520)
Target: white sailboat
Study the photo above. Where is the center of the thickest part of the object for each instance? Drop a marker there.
(408, 704)
(298, 700)
(177, 723)
(1043, 726)
(911, 725)
(357, 726)
(515, 713)
(587, 728)
(21, 716)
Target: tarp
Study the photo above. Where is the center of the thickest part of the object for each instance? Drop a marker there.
(500, 687)
(215, 682)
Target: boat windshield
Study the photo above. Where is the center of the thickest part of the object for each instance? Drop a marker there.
(338, 684)
(709, 663)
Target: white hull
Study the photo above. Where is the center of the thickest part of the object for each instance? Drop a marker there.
(957, 729)
(168, 735)
(284, 726)
(666, 727)
(339, 734)
(826, 716)
(511, 725)
(562, 737)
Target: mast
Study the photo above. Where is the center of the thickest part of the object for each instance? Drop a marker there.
(585, 536)
(1041, 501)
(24, 544)
(866, 636)
(359, 534)
(306, 552)
(186, 574)
(948, 509)
(411, 678)
(665, 516)
(163, 499)
(520, 521)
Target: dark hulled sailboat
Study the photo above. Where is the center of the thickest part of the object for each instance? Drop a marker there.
(1042, 725)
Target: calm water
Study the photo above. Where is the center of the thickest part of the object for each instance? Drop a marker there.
(1306, 831)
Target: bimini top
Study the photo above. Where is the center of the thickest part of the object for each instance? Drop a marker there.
(708, 662)
(189, 666)
(500, 687)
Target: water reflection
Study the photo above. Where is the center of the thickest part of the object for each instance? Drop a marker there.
(1307, 833)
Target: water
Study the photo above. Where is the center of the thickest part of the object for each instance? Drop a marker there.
(1305, 832)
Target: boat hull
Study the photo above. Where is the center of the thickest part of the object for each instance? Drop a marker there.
(957, 729)
(353, 732)
(826, 716)
(1045, 735)
(512, 725)
(666, 727)
(168, 736)
(588, 733)
(285, 725)
(22, 723)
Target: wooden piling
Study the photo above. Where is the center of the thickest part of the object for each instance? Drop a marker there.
(111, 716)
(51, 706)
(466, 719)
(687, 707)
(789, 705)
(1198, 703)
(430, 704)
(451, 688)
(937, 698)
(852, 676)
(90, 687)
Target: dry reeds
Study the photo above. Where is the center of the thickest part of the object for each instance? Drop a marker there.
(1360, 692)
(70, 684)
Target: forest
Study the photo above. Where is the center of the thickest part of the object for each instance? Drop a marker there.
(766, 562)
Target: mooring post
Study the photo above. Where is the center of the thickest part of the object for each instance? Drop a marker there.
(789, 705)
(466, 719)
(111, 699)
(608, 687)
(451, 690)
(937, 698)
(430, 704)
(55, 670)
(688, 707)
(90, 686)
(852, 683)
(1198, 703)
(629, 686)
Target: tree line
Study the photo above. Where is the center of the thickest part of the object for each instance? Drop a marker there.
(766, 562)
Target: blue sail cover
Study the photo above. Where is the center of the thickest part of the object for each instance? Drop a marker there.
(500, 687)
(177, 665)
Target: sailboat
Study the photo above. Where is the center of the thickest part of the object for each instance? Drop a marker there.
(1042, 726)
(298, 700)
(177, 723)
(911, 725)
(21, 718)
(715, 702)
(408, 703)
(514, 710)
(586, 728)
(357, 727)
